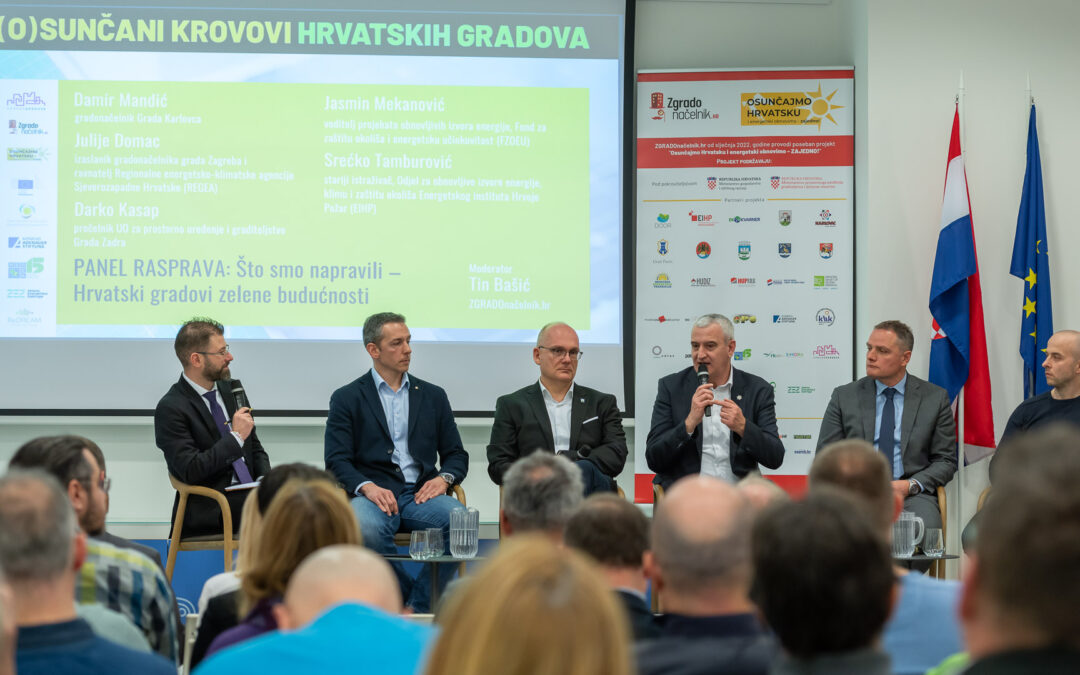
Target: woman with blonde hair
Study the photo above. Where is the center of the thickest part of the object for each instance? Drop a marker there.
(303, 517)
(534, 609)
(227, 582)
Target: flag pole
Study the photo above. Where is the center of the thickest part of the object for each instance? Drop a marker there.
(956, 515)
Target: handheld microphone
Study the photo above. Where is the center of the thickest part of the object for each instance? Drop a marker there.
(238, 394)
(702, 378)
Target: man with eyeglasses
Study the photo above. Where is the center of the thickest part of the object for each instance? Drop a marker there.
(206, 439)
(723, 427)
(557, 415)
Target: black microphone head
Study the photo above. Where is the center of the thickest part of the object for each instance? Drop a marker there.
(703, 374)
(238, 394)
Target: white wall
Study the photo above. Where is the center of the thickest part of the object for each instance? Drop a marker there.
(908, 58)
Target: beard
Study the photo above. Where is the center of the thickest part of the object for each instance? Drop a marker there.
(215, 373)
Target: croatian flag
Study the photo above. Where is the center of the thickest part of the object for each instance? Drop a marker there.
(958, 351)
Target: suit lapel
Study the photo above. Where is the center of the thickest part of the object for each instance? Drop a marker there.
(687, 388)
(539, 410)
(371, 399)
(224, 389)
(577, 416)
(416, 393)
(198, 404)
(868, 407)
(912, 398)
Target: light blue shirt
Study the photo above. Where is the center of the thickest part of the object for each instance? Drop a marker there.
(898, 410)
(924, 628)
(395, 405)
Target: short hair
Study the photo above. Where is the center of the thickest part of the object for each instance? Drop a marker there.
(373, 325)
(194, 335)
(94, 449)
(1028, 547)
(540, 492)
(610, 530)
(548, 326)
(854, 466)
(903, 333)
(713, 557)
(575, 624)
(60, 456)
(37, 526)
(725, 324)
(276, 477)
(303, 517)
(821, 552)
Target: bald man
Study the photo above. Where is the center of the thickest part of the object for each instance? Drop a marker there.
(700, 565)
(1062, 402)
(558, 415)
(339, 614)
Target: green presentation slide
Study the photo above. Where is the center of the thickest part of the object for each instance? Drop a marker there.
(314, 205)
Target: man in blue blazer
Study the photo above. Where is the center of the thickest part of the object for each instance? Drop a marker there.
(396, 468)
(740, 432)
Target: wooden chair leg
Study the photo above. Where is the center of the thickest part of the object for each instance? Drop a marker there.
(174, 541)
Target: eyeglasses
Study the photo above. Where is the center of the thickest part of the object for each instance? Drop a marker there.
(221, 352)
(559, 353)
(105, 483)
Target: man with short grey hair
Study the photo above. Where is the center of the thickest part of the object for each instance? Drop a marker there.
(41, 550)
(700, 566)
(711, 417)
(540, 494)
(557, 414)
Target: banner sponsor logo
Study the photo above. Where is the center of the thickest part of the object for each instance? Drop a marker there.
(784, 282)
(784, 248)
(662, 221)
(783, 318)
(659, 353)
(825, 281)
(743, 355)
(744, 250)
(662, 281)
(787, 108)
(783, 355)
(744, 318)
(785, 214)
(671, 108)
(701, 218)
(825, 249)
(26, 242)
(24, 187)
(703, 250)
(25, 100)
(745, 282)
(825, 317)
(711, 182)
(25, 128)
(701, 282)
(774, 182)
(29, 269)
(662, 247)
(26, 154)
(800, 389)
(826, 352)
(825, 219)
(743, 219)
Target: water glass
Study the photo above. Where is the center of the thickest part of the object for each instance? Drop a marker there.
(435, 542)
(464, 532)
(418, 545)
(933, 542)
(907, 532)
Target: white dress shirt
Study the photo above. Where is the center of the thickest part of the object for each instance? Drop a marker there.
(716, 438)
(559, 416)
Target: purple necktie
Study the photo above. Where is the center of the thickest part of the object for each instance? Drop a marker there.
(242, 473)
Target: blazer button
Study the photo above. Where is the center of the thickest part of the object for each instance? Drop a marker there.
(390, 451)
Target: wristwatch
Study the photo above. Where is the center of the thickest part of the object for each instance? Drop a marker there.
(448, 477)
(913, 487)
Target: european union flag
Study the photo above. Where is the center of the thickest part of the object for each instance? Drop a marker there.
(1031, 263)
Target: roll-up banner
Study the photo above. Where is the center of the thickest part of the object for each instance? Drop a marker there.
(745, 208)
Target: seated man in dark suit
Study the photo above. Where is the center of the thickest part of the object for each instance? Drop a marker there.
(919, 430)
(615, 534)
(557, 414)
(725, 427)
(387, 459)
(206, 438)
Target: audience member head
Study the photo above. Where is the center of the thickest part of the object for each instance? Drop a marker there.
(8, 629)
(1062, 363)
(700, 558)
(823, 577)
(276, 477)
(250, 526)
(1023, 589)
(304, 517)
(41, 546)
(574, 624)
(854, 466)
(335, 575)
(615, 534)
(760, 492)
(540, 493)
(70, 462)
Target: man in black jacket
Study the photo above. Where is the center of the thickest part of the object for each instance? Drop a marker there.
(558, 415)
(730, 441)
(206, 439)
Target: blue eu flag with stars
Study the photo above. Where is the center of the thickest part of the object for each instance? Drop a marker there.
(1031, 262)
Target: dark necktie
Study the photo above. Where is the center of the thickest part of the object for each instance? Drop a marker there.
(886, 444)
(242, 473)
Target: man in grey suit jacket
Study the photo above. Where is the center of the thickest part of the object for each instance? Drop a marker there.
(556, 414)
(921, 447)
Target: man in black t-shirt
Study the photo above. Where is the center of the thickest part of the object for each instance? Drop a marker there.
(1062, 402)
